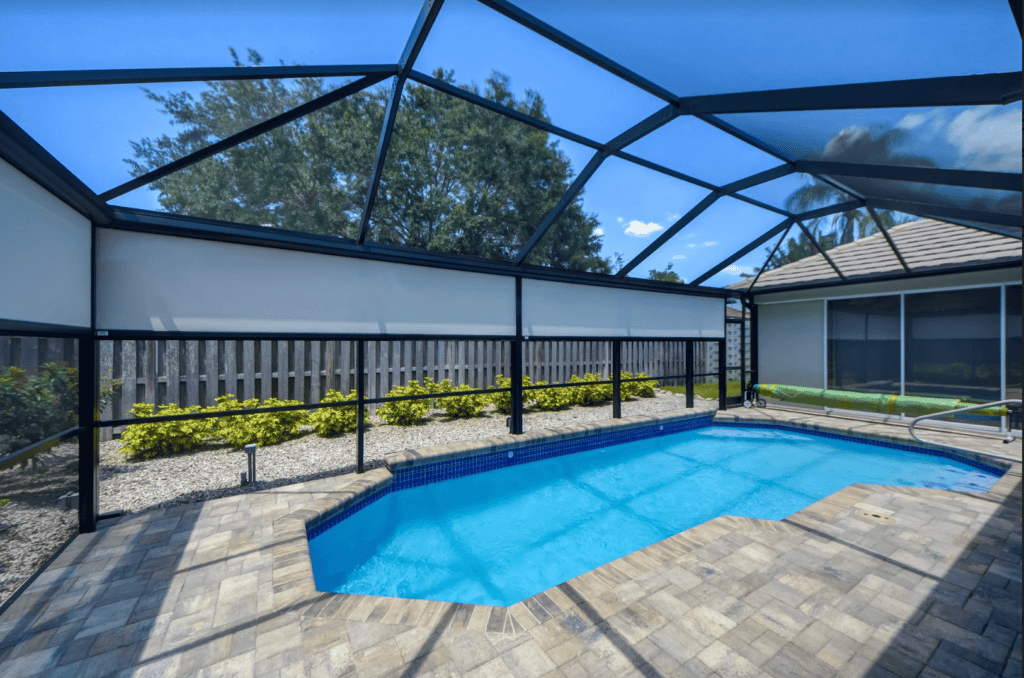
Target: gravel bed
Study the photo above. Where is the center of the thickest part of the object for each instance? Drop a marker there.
(32, 528)
(214, 472)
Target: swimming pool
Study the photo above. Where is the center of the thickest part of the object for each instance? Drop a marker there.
(501, 536)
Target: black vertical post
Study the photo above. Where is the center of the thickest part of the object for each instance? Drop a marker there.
(89, 438)
(689, 373)
(743, 348)
(517, 363)
(360, 397)
(753, 342)
(617, 379)
(721, 374)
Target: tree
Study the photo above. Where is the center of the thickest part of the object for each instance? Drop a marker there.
(457, 178)
(668, 275)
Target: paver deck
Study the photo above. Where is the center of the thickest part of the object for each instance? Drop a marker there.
(209, 590)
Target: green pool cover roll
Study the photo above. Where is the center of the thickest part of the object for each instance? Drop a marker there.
(869, 402)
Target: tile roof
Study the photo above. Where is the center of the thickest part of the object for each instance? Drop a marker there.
(926, 245)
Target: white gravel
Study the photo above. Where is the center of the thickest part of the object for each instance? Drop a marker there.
(214, 472)
(32, 527)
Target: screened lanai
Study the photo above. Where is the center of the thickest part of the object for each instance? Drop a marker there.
(489, 173)
(269, 267)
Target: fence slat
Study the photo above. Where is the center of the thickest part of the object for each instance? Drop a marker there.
(172, 387)
(346, 366)
(192, 373)
(314, 371)
(129, 365)
(106, 367)
(266, 361)
(149, 370)
(211, 365)
(231, 368)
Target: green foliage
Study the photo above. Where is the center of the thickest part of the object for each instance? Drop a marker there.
(503, 401)
(458, 179)
(332, 421)
(463, 406)
(644, 389)
(590, 395)
(406, 412)
(269, 428)
(144, 441)
(668, 275)
(34, 407)
(552, 399)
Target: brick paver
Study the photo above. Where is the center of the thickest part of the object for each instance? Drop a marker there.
(223, 588)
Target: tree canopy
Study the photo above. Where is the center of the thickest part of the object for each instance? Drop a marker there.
(457, 178)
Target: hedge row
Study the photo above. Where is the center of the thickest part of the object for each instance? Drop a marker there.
(143, 441)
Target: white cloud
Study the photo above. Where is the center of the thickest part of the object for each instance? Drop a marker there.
(598, 231)
(987, 139)
(679, 256)
(739, 270)
(620, 220)
(672, 217)
(691, 245)
(640, 229)
(710, 243)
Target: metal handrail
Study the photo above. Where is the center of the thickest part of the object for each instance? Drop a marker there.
(1009, 436)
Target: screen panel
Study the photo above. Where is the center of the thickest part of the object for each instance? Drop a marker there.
(556, 309)
(44, 259)
(165, 283)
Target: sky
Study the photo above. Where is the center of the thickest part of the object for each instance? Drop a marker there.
(690, 48)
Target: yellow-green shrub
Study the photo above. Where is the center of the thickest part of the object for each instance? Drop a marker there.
(405, 412)
(503, 401)
(551, 399)
(331, 421)
(270, 428)
(644, 389)
(463, 406)
(143, 441)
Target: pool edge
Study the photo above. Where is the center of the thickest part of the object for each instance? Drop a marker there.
(293, 579)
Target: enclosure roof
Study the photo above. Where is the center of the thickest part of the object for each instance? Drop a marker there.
(883, 122)
(927, 246)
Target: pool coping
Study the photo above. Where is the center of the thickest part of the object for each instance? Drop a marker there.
(293, 580)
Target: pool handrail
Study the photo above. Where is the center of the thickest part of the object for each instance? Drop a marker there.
(1009, 436)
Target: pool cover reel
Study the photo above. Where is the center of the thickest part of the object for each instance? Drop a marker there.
(867, 402)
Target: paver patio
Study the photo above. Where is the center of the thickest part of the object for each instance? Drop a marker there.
(210, 590)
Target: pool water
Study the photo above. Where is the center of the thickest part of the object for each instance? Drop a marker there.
(498, 537)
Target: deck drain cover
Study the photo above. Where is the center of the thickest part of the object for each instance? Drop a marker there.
(875, 517)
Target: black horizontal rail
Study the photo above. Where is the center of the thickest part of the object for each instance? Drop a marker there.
(26, 453)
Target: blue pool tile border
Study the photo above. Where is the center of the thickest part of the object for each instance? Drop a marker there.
(426, 474)
(981, 466)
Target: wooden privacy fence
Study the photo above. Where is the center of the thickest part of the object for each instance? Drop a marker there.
(195, 372)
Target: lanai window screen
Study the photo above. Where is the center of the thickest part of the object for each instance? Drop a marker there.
(394, 198)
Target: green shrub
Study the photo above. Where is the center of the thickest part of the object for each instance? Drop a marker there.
(406, 412)
(503, 401)
(589, 395)
(463, 406)
(332, 421)
(551, 399)
(269, 428)
(644, 389)
(143, 441)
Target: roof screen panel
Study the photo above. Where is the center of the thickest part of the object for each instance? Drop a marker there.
(309, 175)
(702, 151)
(744, 268)
(148, 125)
(478, 43)
(101, 34)
(695, 48)
(629, 207)
(797, 193)
(718, 232)
(984, 138)
(980, 199)
(461, 179)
